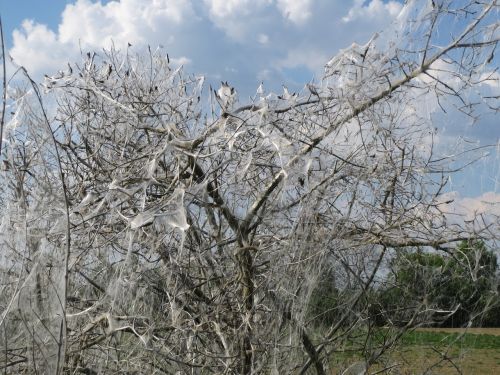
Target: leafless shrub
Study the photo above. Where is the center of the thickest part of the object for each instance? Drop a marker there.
(145, 233)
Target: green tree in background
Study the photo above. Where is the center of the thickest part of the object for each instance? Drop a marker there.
(451, 288)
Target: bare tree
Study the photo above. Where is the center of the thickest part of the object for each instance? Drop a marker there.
(143, 232)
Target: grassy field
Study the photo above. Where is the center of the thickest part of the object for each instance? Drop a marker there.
(442, 351)
(476, 331)
(451, 351)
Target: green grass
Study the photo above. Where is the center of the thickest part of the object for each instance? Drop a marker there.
(442, 339)
(419, 351)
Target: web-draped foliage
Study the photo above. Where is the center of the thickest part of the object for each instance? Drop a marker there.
(153, 225)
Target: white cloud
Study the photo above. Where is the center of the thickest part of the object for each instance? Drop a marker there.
(298, 11)
(241, 41)
(183, 60)
(263, 39)
(468, 208)
(125, 21)
(264, 75)
(487, 203)
(230, 8)
(222, 11)
(374, 10)
(92, 26)
(455, 133)
(237, 18)
(257, 38)
(310, 57)
(492, 79)
(39, 49)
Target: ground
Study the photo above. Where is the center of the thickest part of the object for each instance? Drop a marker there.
(475, 351)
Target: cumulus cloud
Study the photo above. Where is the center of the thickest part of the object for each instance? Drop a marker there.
(310, 57)
(459, 138)
(234, 16)
(487, 203)
(456, 133)
(468, 208)
(238, 18)
(242, 41)
(263, 39)
(229, 8)
(183, 60)
(39, 49)
(297, 11)
(90, 25)
(373, 10)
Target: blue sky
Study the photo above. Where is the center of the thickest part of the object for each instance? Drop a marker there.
(241, 41)
(14, 12)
